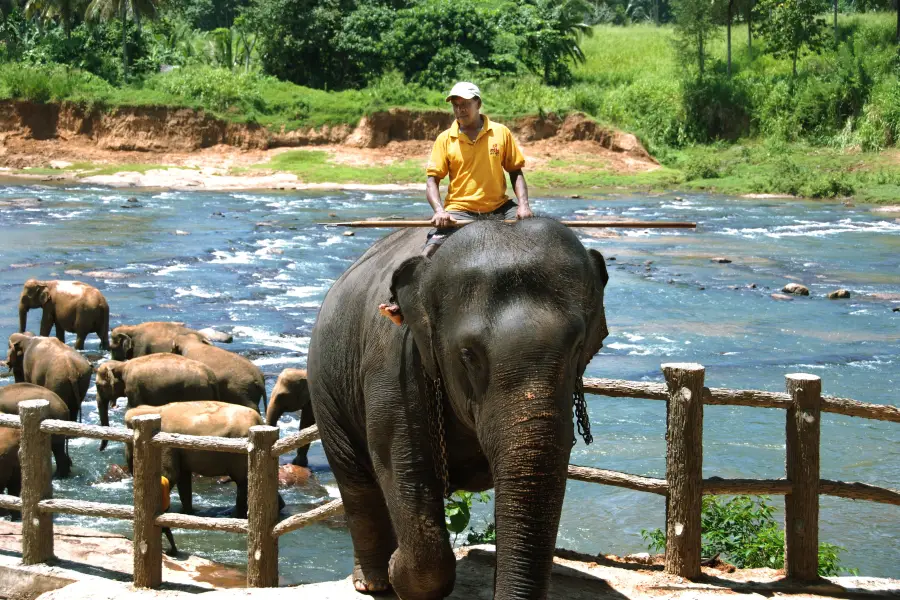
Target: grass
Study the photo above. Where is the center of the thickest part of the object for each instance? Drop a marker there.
(313, 166)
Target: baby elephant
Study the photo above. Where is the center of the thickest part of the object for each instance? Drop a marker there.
(10, 469)
(12, 395)
(291, 394)
(68, 305)
(47, 362)
(207, 418)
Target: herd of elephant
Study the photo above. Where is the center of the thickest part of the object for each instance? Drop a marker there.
(160, 367)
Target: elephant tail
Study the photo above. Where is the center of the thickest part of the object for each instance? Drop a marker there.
(265, 401)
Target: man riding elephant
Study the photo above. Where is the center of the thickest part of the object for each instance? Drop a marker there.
(476, 153)
(69, 306)
(475, 390)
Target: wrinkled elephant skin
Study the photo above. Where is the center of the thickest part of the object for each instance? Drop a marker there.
(68, 306)
(502, 322)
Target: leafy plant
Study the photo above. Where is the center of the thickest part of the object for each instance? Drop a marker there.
(743, 530)
(791, 27)
(458, 515)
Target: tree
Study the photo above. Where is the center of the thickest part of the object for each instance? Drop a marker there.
(106, 10)
(65, 10)
(694, 27)
(548, 34)
(791, 27)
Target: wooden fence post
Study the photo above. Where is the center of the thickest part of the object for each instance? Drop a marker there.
(684, 467)
(34, 456)
(801, 506)
(147, 471)
(262, 508)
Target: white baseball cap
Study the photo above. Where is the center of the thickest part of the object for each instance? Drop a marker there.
(464, 89)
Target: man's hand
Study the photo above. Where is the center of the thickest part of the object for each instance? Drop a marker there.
(442, 219)
(524, 212)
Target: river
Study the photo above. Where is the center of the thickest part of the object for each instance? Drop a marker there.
(257, 265)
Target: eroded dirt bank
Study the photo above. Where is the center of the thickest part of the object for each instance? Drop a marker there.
(39, 135)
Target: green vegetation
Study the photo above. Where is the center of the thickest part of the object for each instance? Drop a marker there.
(458, 515)
(743, 531)
(778, 107)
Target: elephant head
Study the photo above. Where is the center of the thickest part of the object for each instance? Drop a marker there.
(110, 387)
(16, 354)
(121, 346)
(35, 294)
(291, 394)
(505, 319)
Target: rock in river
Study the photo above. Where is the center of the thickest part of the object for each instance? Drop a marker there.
(721, 260)
(217, 336)
(838, 294)
(781, 297)
(796, 289)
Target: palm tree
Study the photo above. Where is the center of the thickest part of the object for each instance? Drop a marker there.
(106, 10)
(46, 10)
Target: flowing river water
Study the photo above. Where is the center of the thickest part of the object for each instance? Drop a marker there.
(257, 265)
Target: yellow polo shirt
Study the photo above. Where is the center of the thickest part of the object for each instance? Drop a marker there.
(476, 168)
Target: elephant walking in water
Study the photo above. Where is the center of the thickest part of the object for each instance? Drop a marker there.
(12, 395)
(69, 306)
(291, 394)
(202, 418)
(474, 390)
(48, 362)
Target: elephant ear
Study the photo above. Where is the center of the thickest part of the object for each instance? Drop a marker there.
(406, 289)
(43, 296)
(596, 315)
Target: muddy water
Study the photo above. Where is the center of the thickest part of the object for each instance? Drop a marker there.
(258, 266)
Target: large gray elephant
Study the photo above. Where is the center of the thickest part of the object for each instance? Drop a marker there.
(69, 306)
(291, 394)
(12, 395)
(241, 381)
(202, 418)
(153, 380)
(50, 363)
(499, 327)
(152, 337)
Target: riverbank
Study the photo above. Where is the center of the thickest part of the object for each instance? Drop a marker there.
(184, 149)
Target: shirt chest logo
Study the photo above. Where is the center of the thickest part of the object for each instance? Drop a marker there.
(495, 150)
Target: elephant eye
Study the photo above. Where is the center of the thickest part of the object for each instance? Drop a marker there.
(467, 354)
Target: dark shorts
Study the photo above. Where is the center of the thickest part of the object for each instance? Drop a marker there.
(507, 211)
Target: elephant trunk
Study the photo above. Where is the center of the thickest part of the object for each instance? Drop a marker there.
(103, 399)
(23, 316)
(274, 411)
(529, 456)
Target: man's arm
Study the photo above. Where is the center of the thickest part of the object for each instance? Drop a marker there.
(441, 217)
(521, 190)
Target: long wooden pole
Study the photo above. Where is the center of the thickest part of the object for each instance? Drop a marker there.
(591, 224)
(34, 456)
(147, 502)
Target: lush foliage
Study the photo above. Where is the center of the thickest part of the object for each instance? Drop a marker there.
(792, 26)
(458, 515)
(743, 530)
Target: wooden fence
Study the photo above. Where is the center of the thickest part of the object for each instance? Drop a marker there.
(684, 486)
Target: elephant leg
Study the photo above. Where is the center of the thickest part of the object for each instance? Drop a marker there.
(172, 551)
(103, 334)
(306, 420)
(185, 485)
(240, 505)
(79, 341)
(63, 462)
(47, 320)
(61, 334)
(372, 534)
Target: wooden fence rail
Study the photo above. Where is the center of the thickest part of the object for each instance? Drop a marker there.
(683, 487)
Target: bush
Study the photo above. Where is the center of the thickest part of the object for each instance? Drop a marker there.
(743, 530)
(701, 167)
(49, 83)
(458, 514)
(880, 123)
(716, 108)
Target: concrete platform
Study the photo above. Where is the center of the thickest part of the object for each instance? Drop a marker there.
(93, 565)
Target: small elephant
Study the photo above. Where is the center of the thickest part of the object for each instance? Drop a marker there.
(241, 382)
(202, 418)
(152, 337)
(12, 395)
(153, 380)
(47, 362)
(291, 394)
(69, 306)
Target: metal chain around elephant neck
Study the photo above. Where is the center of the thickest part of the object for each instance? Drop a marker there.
(438, 434)
(581, 415)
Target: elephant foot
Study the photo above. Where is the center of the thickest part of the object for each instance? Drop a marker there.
(372, 583)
